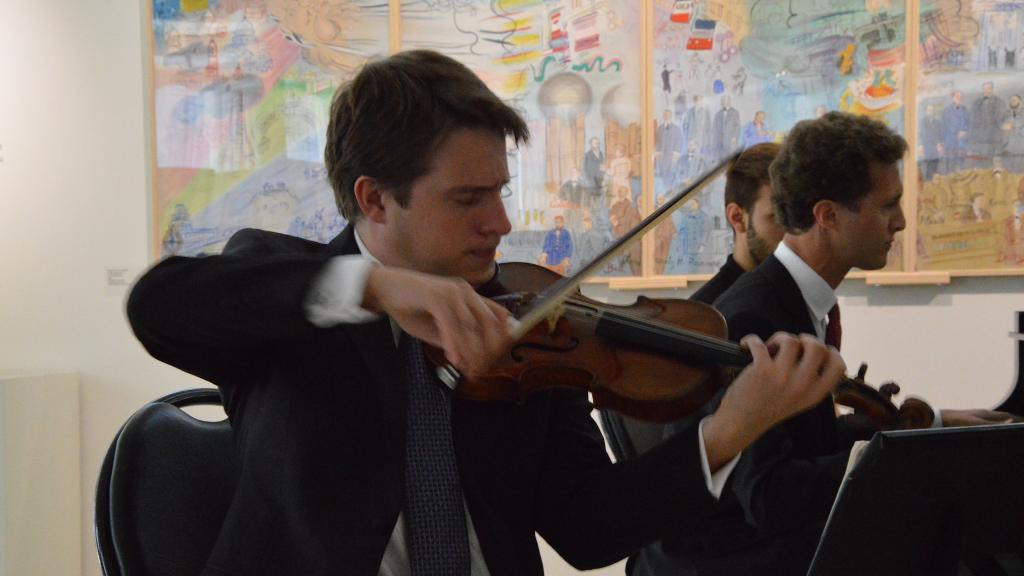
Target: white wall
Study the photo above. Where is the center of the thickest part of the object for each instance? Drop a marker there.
(74, 203)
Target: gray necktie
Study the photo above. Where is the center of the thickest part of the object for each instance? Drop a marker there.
(436, 520)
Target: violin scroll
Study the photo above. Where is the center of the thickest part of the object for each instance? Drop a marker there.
(874, 407)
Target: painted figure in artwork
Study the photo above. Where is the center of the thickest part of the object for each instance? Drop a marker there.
(955, 126)
(557, 249)
(1013, 131)
(756, 132)
(624, 217)
(986, 138)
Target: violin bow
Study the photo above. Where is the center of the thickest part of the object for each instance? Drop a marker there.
(551, 298)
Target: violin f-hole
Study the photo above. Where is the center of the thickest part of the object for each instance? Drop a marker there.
(572, 343)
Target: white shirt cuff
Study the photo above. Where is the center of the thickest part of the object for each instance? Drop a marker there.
(337, 295)
(715, 482)
(937, 421)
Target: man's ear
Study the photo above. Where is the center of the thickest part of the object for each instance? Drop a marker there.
(737, 217)
(826, 214)
(370, 197)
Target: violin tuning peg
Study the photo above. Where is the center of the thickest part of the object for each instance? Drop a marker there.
(862, 371)
(889, 389)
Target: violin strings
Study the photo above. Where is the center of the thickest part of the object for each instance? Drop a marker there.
(683, 336)
(666, 330)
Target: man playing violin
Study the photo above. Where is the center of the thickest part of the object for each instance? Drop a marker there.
(352, 459)
(836, 190)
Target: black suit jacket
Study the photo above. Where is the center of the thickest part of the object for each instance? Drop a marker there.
(636, 437)
(720, 282)
(677, 554)
(318, 416)
(783, 487)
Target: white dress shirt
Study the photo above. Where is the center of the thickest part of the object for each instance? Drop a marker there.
(819, 297)
(336, 298)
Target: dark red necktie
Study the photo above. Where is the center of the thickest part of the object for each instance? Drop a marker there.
(834, 330)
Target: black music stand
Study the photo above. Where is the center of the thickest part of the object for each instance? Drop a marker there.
(930, 502)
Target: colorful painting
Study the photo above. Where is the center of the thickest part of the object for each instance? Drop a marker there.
(241, 94)
(242, 88)
(730, 74)
(573, 70)
(970, 135)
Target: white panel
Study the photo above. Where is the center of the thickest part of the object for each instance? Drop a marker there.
(40, 476)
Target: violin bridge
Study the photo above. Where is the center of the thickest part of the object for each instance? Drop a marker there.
(553, 318)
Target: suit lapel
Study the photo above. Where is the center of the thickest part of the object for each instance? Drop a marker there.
(818, 432)
(374, 341)
(789, 294)
(344, 243)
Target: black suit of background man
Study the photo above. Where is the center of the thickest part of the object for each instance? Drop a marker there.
(748, 209)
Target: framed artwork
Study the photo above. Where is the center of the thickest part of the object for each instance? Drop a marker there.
(241, 93)
(627, 102)
(970, 136)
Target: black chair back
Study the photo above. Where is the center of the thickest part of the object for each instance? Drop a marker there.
(627, 437)
(164, 489)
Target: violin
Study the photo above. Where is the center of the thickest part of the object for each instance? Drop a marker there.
(656, 360)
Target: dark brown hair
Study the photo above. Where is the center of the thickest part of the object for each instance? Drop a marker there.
(748, 173)
(390, 118)
(829, 159)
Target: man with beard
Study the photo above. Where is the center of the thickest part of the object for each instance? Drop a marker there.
(748, 209)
